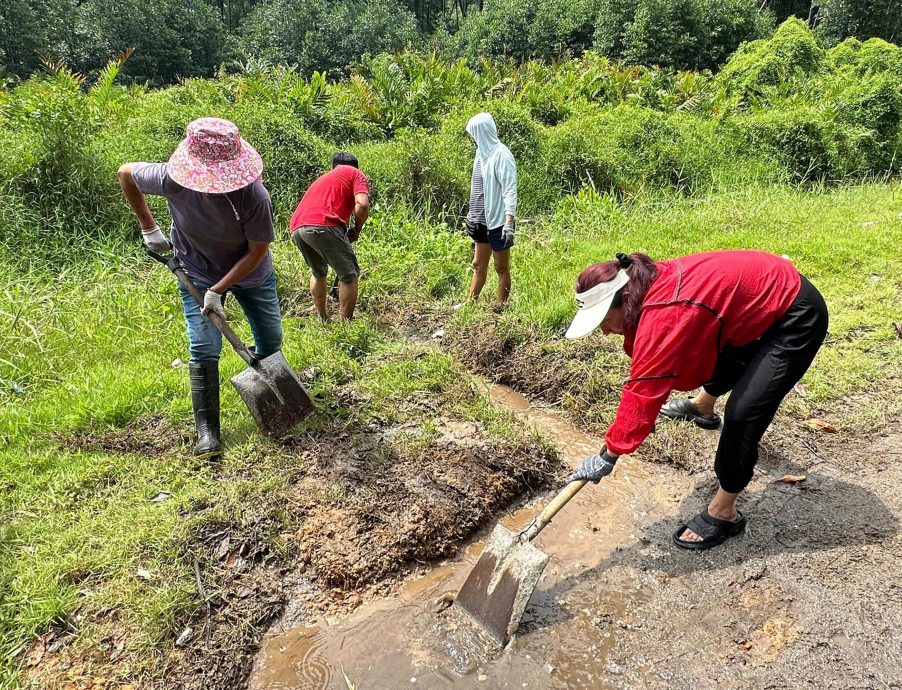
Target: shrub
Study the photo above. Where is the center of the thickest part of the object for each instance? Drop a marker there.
(407, 90)
(57, 172)
(795, 136)
(791, 52)
(620, 150)
(874, 104)
(864, 59)
(430, 172)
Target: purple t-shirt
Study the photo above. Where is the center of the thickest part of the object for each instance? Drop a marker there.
(210, 234)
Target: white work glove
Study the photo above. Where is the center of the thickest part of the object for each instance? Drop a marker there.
(593, 468)
(507, 233)
(213, 304)
(155, 240)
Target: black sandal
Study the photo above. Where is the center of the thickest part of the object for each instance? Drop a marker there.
(712, 530)
(682, 410)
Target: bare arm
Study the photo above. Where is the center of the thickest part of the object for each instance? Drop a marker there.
(361, 209)
(135, 197)
(256, 252)
(361, 212)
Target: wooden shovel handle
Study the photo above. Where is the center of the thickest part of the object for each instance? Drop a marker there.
(172, 263)
(215, 318)
(552, 509)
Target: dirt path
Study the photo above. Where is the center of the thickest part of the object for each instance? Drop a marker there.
(808, 598)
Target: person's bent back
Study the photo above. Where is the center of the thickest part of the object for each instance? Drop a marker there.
(320, 229)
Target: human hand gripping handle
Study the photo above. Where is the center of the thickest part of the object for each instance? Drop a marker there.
(593, 468)
(213, 304)
(155, 240)
(507, 232)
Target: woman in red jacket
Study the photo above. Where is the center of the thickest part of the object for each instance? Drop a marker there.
(740, 321)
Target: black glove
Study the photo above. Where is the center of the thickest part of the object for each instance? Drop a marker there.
(507, 233)
(594, 468)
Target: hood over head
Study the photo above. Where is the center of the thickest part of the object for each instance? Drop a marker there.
(482, 130)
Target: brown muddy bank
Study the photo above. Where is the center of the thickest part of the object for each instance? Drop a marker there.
(364, 514)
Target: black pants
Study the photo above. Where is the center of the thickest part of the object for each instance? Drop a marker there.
(760, 375)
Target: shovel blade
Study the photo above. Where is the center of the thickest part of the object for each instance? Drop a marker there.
(498, 588)
(273, 394)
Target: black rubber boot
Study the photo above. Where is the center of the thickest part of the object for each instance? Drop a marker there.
(205, 400)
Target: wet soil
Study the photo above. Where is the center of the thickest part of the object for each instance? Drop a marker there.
(808, 597)
(365, 511)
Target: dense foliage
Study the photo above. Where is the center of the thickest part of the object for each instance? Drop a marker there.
(182, 38)
(781, 109)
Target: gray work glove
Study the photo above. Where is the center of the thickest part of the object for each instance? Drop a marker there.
(594, 468)
(213, 304)
(507, 233)
(155, 240)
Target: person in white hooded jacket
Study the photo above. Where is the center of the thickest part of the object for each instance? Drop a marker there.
(493, 206)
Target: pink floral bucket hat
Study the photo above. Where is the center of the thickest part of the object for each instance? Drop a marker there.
(214, 159)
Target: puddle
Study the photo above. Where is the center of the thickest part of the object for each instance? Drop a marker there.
(576, 615)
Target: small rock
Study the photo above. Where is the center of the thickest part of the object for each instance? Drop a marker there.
(792, 478)
(176, 363)
(143, 574)
(820, 425)
(481, 677)
(440, 333)
(184, 637)
(162, 496)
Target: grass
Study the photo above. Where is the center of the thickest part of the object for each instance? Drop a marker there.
(90, 351)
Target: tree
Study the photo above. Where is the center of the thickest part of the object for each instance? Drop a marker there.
(862, 19)
(678, 33)
(171, 38)
(524, 29)
(27, 28)
(326, 35)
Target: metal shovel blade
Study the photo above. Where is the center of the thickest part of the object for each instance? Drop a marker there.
(498, 588)
(273, 394)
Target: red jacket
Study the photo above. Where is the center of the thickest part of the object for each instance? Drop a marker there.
(329, 202)
(696, 305)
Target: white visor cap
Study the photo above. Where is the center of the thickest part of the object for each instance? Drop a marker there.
(594, 305)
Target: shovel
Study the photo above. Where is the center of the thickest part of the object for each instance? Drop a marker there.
(498, 588)
(269, 387)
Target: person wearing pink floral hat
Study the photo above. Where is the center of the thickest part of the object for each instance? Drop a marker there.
(222, 226)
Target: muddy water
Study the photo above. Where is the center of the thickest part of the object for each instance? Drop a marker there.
(575, 616)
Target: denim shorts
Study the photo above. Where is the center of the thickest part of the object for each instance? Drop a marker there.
(323, 247)
(482, 235)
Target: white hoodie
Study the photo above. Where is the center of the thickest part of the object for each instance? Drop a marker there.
(499, 170)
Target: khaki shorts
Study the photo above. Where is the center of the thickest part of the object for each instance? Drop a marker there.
(323, 247)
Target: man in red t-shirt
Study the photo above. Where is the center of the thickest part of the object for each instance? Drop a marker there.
(319, 228)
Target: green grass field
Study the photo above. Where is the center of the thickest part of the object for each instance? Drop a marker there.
(87, 360)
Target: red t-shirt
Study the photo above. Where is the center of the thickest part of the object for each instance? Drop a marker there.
(696, 305)
(329, 201)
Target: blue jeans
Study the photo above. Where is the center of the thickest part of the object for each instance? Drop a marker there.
(261, 307)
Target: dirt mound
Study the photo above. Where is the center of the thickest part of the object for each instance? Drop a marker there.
(393, 507)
